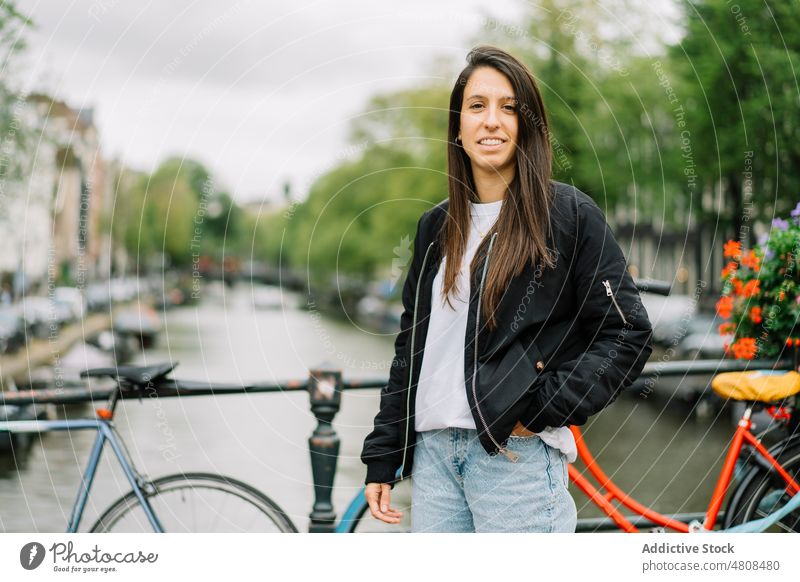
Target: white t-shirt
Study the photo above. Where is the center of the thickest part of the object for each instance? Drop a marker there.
(441, 400)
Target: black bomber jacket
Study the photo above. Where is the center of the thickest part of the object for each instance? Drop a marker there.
(568, 340)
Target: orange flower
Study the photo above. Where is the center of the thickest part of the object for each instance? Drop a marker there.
(745, 348)
(733, 249)
(725, 306)
(788, 342)
(755, 315)
(737, 286)
(730, 269)
(751, 288)
(781, 296)
(727, 328)
(796, 341)
(751, 260)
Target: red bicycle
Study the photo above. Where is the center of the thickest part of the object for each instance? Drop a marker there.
(771, 478)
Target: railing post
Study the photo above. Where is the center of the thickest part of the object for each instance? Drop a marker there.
(325, 390)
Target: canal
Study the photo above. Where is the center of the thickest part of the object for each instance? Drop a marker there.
(661, 454)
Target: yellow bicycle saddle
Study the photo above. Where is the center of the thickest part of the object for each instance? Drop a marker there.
(757, 385)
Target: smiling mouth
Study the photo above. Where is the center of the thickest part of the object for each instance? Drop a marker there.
(491, 141)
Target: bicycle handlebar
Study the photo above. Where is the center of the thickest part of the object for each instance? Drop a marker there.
(655, 286)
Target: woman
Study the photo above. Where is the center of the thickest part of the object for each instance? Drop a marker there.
(519, 320)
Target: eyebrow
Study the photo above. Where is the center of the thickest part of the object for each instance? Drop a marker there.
(511, 97)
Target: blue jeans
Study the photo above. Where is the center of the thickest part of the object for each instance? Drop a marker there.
(458, 487)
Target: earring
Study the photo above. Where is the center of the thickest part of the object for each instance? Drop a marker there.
(458, 139)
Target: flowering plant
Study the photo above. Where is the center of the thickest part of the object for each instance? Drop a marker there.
(761, 292)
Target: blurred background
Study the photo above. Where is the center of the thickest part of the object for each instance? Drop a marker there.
(237, 186)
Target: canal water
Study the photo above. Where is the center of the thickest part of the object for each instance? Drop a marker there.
(659, 453)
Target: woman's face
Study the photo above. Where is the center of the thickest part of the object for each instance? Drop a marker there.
(489, 121)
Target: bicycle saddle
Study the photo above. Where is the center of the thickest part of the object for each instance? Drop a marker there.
(139, 375)
(757, 385)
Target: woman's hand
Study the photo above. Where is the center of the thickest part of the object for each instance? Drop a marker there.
(377, 495)
(520, 430)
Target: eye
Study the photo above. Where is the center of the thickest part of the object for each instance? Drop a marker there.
(510, 107)
(474, 105)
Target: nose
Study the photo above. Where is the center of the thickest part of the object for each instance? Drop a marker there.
(491, 118)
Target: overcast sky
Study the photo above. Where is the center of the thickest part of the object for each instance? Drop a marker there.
(261, 92)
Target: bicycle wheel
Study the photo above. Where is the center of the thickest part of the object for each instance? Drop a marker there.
(197, 502)
(762, 492)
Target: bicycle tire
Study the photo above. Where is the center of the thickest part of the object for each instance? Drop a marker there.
(762, 492)
(207, 497)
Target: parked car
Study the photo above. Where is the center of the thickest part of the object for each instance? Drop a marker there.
(12, 330)
(73, 299)
(670, 316)
(41, 315)
(140, 322)
(124, 289)
(98, 296)
(702, 339)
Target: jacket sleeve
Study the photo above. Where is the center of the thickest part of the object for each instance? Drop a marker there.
(383, 447)
(618, 327)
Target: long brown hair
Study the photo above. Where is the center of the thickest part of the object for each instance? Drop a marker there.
(525, 214)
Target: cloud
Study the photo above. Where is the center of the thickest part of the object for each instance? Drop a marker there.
(259, 91)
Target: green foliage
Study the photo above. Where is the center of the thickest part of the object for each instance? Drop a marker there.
(177, 212)
(16, 140)
(741, 59)
(13, 24)
(358, 213)
(172, 204)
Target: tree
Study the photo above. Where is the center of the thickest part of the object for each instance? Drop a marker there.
(357, 214)
(177, 211)
(15, 137)
(742, 60)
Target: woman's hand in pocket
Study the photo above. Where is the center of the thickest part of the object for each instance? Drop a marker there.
(520, 430)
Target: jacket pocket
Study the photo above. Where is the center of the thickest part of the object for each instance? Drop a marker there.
(504, 382)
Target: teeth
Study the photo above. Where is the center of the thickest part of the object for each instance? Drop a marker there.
(491, 141)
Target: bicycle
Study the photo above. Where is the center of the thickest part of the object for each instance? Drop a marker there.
(202, 502)
(770, 480)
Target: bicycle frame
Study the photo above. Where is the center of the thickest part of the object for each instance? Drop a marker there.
(105, 432)
(613, 492)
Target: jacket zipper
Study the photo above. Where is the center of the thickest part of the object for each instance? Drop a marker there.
(411, 358)
(512, 456)
(607, 284)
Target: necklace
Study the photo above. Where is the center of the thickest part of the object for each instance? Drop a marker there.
(481, 232)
